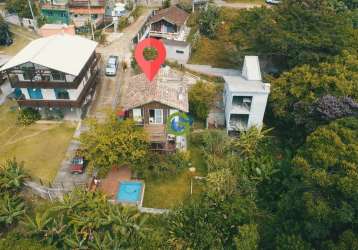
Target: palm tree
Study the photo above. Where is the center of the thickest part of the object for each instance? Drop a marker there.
(11, 209)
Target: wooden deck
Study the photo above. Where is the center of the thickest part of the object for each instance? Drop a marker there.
(156, 132)
(110, 184)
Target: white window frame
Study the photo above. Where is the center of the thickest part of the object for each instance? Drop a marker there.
(158, 119)
(137, 115)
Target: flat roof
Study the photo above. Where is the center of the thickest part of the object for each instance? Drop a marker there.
(240, 84)
(175, 43)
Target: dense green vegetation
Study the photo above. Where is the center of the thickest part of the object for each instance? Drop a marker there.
(292, 186)
(113, 143)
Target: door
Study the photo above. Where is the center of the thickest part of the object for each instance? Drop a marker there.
(155, 116)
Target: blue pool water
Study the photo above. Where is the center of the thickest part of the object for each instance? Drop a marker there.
(130, 191)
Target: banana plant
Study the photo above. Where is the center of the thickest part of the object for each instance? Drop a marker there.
(11, 209)
(12, 176)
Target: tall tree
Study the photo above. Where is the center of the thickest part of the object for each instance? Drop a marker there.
(296, 94)
(300, 31)
(114, 143)
(22, 8)
(321, 205)
(5, 33)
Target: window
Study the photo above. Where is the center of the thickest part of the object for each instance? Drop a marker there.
(137, 115)
(28, 71)
(57, 76)
(179, 52)
(156, 116)
(62, 94)
(35, 94)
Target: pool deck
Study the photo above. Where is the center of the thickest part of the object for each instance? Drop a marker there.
(109, 185)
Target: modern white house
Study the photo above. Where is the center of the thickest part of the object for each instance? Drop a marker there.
(56, 73)
(245, 97)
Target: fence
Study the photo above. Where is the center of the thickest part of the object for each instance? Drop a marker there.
(50, 192)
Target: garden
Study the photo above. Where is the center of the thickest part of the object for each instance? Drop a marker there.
(41, 147)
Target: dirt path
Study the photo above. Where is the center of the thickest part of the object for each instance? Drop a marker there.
(109, 88)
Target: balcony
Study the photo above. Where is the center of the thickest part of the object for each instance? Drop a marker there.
(241, 104)
(166, 35)
(238, 122)
(84, 3)
(91, 64)
(49, 6)
(63, 103)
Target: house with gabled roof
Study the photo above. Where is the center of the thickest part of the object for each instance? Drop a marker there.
(149, 104)
(55, 73)
(170, 25)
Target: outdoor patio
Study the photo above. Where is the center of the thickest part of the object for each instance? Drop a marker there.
(109, 185)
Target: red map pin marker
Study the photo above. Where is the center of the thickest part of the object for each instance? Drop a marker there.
(151, 67)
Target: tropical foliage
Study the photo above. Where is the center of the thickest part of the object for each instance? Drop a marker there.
(113, 143)
(298, 98)
(201, 97)
(86, 220)
(5, 33)
(299, 31)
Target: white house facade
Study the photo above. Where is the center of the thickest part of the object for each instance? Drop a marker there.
(245, 97)
(58, 73)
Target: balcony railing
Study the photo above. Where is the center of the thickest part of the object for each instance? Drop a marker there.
(91, 63)
(63, 103)
(238, 125)
(49, 6)
(167, 35)
(93, 3)
(241, 108)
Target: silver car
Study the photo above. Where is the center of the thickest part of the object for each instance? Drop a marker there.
(112, 66)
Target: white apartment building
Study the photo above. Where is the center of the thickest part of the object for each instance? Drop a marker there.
(245, 97)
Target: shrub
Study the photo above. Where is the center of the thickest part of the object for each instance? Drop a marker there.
(12, 176)
(123, 23)
(28, 116)
(201, 97)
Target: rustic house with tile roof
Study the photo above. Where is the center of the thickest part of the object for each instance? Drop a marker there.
(150, 103)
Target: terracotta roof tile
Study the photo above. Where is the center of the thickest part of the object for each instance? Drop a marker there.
(172, 14)
(168, 87)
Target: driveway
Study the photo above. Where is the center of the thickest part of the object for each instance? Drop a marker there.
(208, 70)
(109, 88)
(222, 3)
(106, 97)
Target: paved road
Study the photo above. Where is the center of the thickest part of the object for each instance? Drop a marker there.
(208, 70)
(107, 97)
(222, 3)
(109, 88)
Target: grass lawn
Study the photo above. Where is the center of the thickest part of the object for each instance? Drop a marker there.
(21, 38)
(173, 190)
(41, 147)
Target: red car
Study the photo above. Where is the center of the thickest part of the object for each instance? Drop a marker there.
(77, 165)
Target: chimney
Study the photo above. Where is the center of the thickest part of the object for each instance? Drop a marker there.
(251, 70)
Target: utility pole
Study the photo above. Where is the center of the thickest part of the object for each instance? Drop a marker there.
(33, 16)
(90, 18)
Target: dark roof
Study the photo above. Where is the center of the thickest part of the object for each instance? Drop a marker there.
(175, 43)
(172, 14)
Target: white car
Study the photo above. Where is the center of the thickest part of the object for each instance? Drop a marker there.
(273, 1)
(112, 65)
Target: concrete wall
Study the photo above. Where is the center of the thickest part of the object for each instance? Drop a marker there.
(258, 106)
(173, 55)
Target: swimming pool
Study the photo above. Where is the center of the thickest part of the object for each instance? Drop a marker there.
(130, 192)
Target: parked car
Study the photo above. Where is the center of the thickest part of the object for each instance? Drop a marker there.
(77, 165)
(112, 66)
(273, 1)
